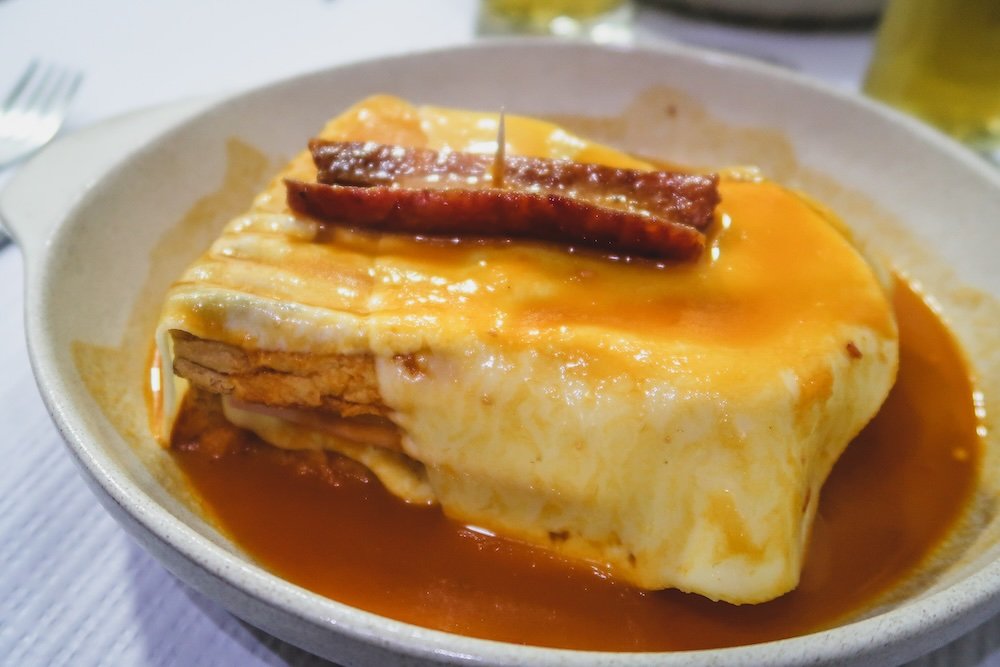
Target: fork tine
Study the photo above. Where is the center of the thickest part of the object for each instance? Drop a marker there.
(76, 78)
(19, 87)
(38, 93)
(62, 89)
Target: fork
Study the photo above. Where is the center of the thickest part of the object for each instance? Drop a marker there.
(34, 111)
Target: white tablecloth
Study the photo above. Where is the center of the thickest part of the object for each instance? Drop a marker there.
(74, 589)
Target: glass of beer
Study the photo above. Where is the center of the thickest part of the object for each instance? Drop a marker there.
(940, 61)
(605, 21)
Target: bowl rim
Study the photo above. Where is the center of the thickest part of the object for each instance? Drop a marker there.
(901, 632)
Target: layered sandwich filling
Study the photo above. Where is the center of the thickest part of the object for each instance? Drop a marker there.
(670, 421)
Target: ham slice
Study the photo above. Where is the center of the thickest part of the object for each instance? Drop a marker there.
(654, 214)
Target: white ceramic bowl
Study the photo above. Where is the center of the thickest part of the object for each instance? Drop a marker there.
(111, 215)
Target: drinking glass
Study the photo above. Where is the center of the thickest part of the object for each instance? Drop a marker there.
(604, 21)
(940, 60)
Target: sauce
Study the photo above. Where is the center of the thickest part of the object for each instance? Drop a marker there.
(323, 523)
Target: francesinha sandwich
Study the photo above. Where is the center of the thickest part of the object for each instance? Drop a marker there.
(650, 370)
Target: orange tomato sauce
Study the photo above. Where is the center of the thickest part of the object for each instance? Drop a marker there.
(325, 524)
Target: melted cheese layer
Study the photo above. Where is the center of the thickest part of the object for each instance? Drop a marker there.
(672, 422)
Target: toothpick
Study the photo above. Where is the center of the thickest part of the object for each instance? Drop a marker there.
(499, 158)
